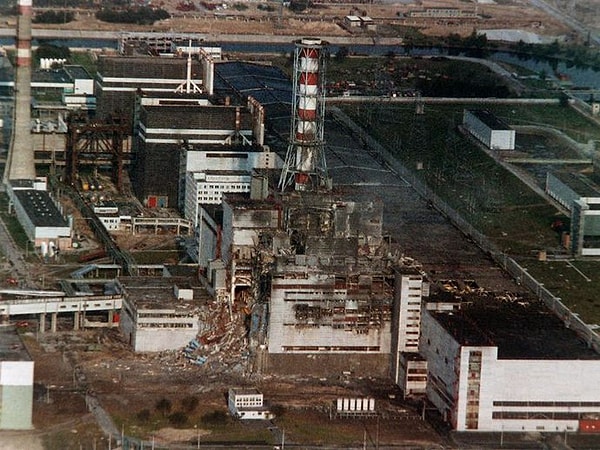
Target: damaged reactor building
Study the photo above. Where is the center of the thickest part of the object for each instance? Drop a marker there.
(310, 266)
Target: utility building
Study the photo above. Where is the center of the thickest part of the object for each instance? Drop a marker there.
(120, 77)
(16, 382)
(225, 140)
(501, 365)
(161, 313)
(39, 214)
(489, 130)
(582, 198)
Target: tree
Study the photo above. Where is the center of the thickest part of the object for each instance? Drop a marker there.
(52, 51)
(342, 54)
(54, 17)
(215, 417)
(189, 404)
(163, 406)
(178, 418)
(143, 415)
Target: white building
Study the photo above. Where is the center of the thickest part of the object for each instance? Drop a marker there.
(409, 369)
(577, 193)
(16, 382)
(209, 172)
(39, 215)
(158, 314)
(509, 366)
(247, 403)
(488, 129)
(322, 312)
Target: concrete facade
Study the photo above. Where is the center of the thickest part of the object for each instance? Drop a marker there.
(247, 404)
(155, 316)
(323, 311)
(476, 387)
(16, 382)
(486, 128)
(582, 199)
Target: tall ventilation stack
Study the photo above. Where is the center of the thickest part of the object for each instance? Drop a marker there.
(305, 167)
(20, 164)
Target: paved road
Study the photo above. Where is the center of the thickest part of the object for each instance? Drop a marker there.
(567, 20)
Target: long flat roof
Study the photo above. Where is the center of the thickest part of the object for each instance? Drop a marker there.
(582, 185)
(40, 208)
(521, 329)
(489, 119)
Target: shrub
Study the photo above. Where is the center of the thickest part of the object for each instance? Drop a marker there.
(143, 415)
(163, 406)
(215, 417)
(189, 404)
(178, 418)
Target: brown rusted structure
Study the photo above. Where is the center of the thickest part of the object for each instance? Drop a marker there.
(96, 144)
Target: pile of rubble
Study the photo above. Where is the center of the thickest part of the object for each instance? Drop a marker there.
(222, 338)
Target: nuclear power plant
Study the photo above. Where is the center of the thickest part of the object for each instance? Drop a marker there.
(20, 162)
(281, 267)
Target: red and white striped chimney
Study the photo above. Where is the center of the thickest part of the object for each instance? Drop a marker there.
(305, 167)
(24, 33)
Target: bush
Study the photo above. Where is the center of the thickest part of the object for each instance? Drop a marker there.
(52, 51)
(143, 415)
(189, 404)
(278, 410)
(178, 418)
(54, 17)
(215, 417)
(164, 406)
(141, 16)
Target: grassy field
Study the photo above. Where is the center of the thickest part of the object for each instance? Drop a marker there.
(491, 198)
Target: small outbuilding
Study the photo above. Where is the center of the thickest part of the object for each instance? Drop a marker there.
(493, 132)
(247, 403)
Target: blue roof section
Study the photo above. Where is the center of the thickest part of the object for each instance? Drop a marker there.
(269, 85)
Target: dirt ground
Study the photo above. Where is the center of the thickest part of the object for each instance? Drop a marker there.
(68, 364)
(325, 19)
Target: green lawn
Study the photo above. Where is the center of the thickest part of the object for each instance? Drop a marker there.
(492, 199)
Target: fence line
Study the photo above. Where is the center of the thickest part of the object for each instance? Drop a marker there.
(518, 272)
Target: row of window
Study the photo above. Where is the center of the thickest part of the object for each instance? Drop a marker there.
(164, 325)
(544, 403)
(547, 415)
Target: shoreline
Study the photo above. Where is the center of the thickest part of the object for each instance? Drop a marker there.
(208, 37)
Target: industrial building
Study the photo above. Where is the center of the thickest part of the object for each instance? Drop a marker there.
(509, 364)
(219, 144)
(407, 367)
(494, 133)
(581, 197)
(162, 313)
(16, 381)
(119, 78)
(247, 403)
(39, 214)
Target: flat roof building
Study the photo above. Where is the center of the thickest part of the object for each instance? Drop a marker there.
(581, 197)
(499, 365)
(39, 215)
(493, 132)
